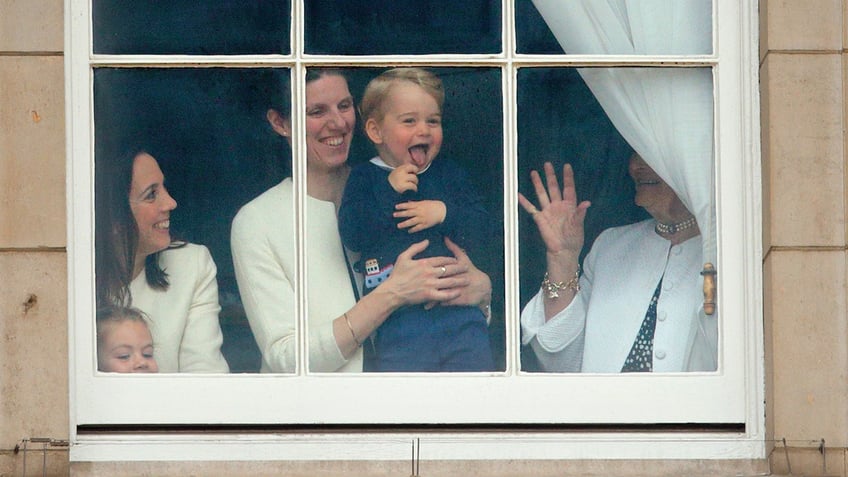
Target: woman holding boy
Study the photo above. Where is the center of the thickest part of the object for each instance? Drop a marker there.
(263, 252)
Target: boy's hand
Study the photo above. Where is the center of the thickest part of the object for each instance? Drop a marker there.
(421, 214)
(404, 178)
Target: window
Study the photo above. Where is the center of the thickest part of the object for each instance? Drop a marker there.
(197, 87)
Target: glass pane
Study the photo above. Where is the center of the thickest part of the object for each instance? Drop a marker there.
(665, 115)
(207, 131)
(402, 27)
(222, 27)
(589, 27)
(457, 150)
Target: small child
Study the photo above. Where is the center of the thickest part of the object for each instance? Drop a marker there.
(402, 197)
(124, 343)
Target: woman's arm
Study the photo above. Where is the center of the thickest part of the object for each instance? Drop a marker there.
(476, 289)
(560, 223)
(411, 282)
(264, 262)
(200, 349)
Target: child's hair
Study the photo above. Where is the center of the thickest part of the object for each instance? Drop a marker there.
(110, 315)
(374, 97)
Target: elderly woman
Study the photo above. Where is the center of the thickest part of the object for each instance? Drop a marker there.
(138, 264)
(264, 257)
(638, 305)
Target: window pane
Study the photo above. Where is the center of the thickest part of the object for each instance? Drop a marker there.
(402, 27)
(588, 27)
(466, 175)
(207, 130)
(666, 115)
(222, 27)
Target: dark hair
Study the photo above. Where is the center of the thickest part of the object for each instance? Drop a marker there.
(116, 233)
(280, 97)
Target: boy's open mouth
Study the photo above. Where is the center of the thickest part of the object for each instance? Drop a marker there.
(418, 153)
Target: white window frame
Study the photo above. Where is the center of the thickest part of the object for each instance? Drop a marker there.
(510, 398)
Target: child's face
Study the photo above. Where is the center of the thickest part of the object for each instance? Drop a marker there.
(126, 347)
(411, 129)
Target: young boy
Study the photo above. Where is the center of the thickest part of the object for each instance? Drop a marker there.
(124, 344)
(402, 197)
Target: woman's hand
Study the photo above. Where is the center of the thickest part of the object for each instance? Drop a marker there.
(560, 223)
(426, 280)
(433, 279)
(478, 289)
(559, 217)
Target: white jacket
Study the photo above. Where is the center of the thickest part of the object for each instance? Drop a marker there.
(184, 323)
(262, 242)
(595, 332)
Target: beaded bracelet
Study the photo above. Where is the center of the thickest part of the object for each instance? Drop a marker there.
(553, 288)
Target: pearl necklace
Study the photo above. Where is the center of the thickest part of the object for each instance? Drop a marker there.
(671, 229)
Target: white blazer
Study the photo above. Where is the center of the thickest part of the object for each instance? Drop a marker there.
(595, 332)
(184, 323)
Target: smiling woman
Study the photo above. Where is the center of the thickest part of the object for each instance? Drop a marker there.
(138, 264)
(637, 307)
(151, 206)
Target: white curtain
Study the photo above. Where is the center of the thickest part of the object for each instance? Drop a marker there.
(666, 114)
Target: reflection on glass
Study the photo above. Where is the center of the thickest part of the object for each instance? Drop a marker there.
(223, 27)
(402, 27)
(637, 305)
(178, 152)
(423, 163)
(616, 27)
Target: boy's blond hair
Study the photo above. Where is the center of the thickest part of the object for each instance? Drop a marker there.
(374, 98)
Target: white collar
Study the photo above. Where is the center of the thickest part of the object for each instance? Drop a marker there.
(377, 161)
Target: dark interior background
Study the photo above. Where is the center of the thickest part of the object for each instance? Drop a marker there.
(206, 126)
(191, 27)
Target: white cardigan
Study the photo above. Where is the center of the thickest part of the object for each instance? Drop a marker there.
(595, 332)
(263, 254)
(184, 323)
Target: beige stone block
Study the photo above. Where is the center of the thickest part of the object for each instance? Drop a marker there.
(765, 152)
(32, 152)
(31, 25)
(808, 460)
(804, 25)
(763, 25)
(768, 344)
(805, 150)
(33, 347)
(810, 349)
(844, 23)
(34, 461)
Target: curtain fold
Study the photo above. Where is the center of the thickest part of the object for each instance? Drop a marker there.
(665, 114)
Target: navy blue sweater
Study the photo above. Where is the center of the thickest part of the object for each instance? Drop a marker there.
(366, 224)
